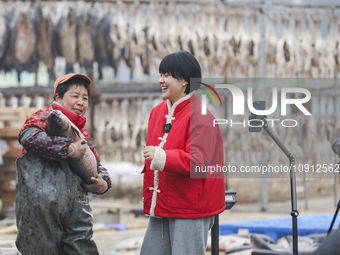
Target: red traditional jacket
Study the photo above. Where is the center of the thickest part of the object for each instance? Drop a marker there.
(169, 190)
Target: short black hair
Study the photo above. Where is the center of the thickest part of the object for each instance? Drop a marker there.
(182, 65)
(65, 86)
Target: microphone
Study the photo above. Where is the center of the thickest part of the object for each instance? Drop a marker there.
(336, 146)
(167, 127)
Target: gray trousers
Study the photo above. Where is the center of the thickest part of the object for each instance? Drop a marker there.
(53, 213)
(170, 236)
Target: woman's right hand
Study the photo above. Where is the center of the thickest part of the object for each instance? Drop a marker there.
(77, 149)
(98, 185)
(149, 152)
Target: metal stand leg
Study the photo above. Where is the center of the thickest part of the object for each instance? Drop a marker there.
(294, 212)
(334, 217)
(215, 231)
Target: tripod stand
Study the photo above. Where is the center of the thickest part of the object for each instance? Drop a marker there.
(262, 120)
(334, 217)
(336, 149)
(230, 200)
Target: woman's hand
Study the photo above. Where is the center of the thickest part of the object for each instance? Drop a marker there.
(149, 152)
(98, 185)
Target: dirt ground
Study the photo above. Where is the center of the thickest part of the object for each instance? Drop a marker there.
(240, 212)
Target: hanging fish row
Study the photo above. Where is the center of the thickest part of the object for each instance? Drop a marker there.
(108, 33)
(43, 32)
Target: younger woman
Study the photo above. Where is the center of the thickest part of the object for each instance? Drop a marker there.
(181, 203)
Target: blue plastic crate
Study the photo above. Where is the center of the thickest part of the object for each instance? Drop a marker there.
(276, 228)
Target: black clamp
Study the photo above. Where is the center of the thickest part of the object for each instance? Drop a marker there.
(294, 213)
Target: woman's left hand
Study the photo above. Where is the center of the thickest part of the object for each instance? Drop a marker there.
(149, 152)
(98, 185)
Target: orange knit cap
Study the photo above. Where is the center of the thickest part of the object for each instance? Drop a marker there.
(68, 76)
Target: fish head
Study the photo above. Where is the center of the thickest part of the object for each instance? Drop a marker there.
(58, 123)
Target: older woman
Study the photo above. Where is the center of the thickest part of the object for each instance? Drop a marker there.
(52, 207)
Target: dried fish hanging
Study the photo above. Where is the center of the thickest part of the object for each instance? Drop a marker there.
(285, 56)
(197, 34)
(185, 36)
(5, 56)
(171, 41)
(125, 123)
(153, 32)
(107, 118)
(336, 126)
(211, 42)
(271, 44)
(128, 123)
(144, 124)
(103, 43)
(253, 43)
(337, 42)
(46, 38)
(109, 32)
(67, 33)
(236, 26)
(322, 61)
(223, 36)
(118, 33)
(24, 39)
(114, 128)
(330, 48)
(121, 130)
(303, 40)
(136, 129)
(204, 44)
(223, 50)
(129, 54)
(145, 57)
(86, 32)
(100, 118)
(137, 36)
